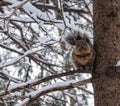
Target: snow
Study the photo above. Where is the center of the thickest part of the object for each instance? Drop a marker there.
(39, 17)
(57, 84)
(11, 1)
(60, 25)
(16, 94)
(11, 61)
(37, 92)
(19, 85)
(5, 72)
(23, 102)
(31, 51)
(35, 13)
(43, 39)
(15, 4)
(69, 21)
(17, 59)
(23, 19)
(71, 95)
(118, 63)
(13, 86)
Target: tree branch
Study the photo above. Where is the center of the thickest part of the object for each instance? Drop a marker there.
(29, 84)
(46, 6)
(59, 86)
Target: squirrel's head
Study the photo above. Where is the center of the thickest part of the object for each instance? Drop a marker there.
(81, 43)
(82, 48)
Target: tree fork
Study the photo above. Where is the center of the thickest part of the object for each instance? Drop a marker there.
(106, 20)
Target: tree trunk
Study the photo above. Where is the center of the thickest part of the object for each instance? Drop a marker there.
(107, 44)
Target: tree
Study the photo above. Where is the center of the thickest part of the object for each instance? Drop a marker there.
(107, 36)
(32, 46)
(34, 56)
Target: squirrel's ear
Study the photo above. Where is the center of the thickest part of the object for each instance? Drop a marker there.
(85, 38)
(70, 40)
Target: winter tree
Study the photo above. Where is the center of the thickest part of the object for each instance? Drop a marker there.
(36, 68)
(107, 36)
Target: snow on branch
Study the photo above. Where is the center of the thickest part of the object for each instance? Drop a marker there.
(118, 63)
(34, 11)
(29, 26)
(17, 6)
(17, 59)
(6, 76)
(42, 5)
(31, 83)
(11, 49)
(59, 86)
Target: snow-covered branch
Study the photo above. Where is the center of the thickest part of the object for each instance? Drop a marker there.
(18, 5)
(59, 86)
(34, 53)
(17, 59)
(29, 84)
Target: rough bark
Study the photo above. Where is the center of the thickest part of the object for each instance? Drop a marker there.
(107, 44)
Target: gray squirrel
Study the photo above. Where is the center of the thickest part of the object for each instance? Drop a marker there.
(83, 53)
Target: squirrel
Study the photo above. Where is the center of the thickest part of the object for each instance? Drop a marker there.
(83, 53)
